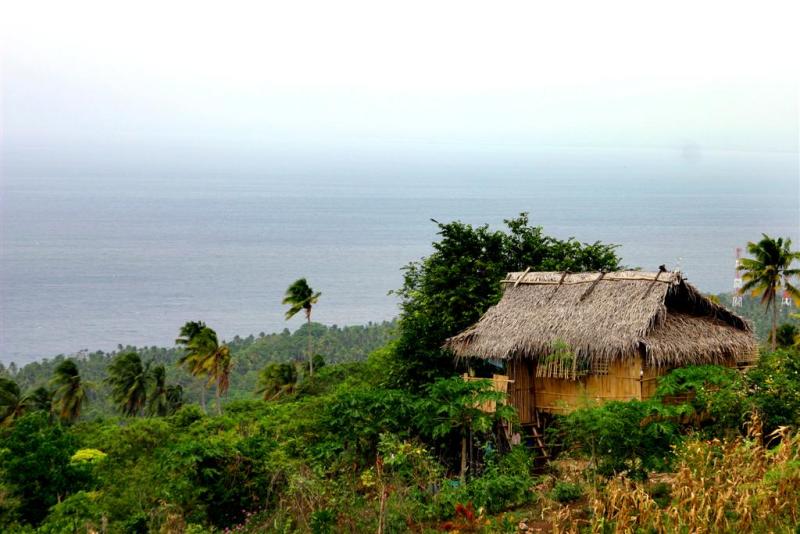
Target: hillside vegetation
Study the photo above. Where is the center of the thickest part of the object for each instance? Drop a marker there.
(384, 436)
(250, 354)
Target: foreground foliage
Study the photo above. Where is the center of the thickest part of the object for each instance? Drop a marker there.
(742, 485)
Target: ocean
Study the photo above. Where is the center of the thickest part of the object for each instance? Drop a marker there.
(90, 262)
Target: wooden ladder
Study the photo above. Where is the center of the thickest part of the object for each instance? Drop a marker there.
(538, 442)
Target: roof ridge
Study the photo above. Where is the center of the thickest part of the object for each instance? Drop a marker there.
(562, 278)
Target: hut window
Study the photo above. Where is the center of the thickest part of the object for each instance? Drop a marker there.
(599, 367)
(562, 363)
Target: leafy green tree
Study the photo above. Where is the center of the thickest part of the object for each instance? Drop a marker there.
(71, 391)
(349, 424)
(277, 380)
(454, 405)
(787, 335)
(768, 269)
(35, 464)
(13, 404)
(130, 382)
(300, 296)
(450, 289)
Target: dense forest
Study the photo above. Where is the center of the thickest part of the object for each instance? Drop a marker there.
(382, 435)
(250, 354)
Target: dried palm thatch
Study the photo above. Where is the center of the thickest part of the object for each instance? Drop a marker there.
(607, 316)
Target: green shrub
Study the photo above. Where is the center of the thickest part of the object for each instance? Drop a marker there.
(349, 427)
(323, 521)
(775, 386)
(787, 335)
(661, 492)
(496, 491)
(717, 400)
(186, 415)
(622, 437)
(505, 483)
(77, 513)
(565, 492)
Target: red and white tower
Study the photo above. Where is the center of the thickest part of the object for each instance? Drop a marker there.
(787, 300)
(736, 300)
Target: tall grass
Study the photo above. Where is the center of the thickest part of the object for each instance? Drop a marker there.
(748, 484)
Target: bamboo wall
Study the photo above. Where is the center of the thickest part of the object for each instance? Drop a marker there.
(624, 381)
(522, 394)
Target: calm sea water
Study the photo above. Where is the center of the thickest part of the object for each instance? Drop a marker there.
(89, 263)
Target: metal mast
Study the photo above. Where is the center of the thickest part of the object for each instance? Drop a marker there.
(736, 299)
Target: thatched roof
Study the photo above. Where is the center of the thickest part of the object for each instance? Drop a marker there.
(606, 316)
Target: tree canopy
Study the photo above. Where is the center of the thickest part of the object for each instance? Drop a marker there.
(452, 287)
(768, 270)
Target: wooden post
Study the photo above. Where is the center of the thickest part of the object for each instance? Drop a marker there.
(463, 476)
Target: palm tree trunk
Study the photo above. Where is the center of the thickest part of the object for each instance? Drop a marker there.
(216, 394)
(310, 357)
(774, 324)
(203, 398)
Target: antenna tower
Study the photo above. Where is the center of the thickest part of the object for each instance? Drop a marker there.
(736, 299)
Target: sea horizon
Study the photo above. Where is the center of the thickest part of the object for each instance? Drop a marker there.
(92, 262)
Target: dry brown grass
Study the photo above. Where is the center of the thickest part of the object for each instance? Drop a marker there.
(736, 486)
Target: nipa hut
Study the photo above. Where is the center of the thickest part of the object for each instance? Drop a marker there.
(566, 338)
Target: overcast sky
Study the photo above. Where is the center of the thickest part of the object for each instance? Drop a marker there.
(98, 86)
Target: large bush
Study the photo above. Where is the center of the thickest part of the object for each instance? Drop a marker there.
(710, 398)
(35, 465)
(775, 386)
(621, 437)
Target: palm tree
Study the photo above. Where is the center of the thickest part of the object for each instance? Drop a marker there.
(300, 296)
(276, 380)
(174, 398)
(218, 369)
(130, 381)
(41, 399)
(159, 403)
(767, 270)
(12, 403)
(196, 341)
(189, 331)
(204, 355)
(71, 392)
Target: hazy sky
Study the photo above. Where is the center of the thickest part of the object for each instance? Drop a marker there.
(172, 87)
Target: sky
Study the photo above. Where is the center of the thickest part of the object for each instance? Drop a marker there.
(113, 88)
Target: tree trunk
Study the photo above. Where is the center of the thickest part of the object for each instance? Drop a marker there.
(774, 322)
(463, 475)
(203, 398)
(382, 510)
(310, 356)
(216, 394)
